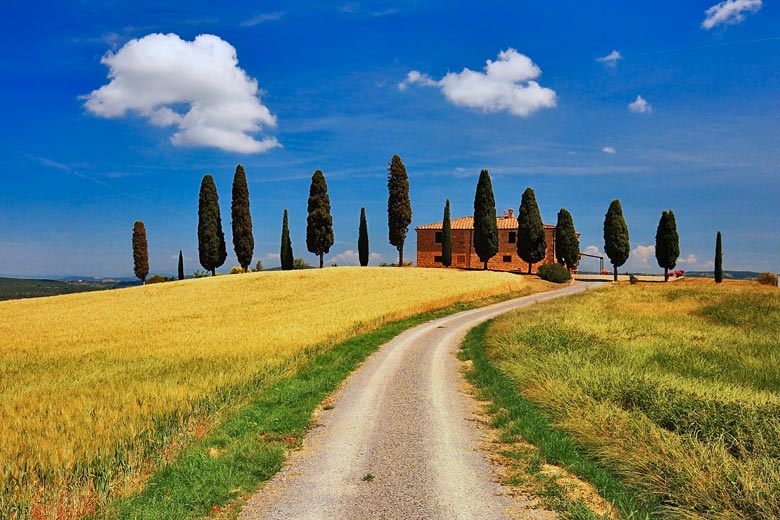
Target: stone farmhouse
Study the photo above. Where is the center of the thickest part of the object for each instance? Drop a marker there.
(463, 254)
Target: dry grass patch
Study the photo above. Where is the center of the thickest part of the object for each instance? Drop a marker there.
(95, 386)
(676, 388)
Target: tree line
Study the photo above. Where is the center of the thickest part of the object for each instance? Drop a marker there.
(531, 241)
(212, 249)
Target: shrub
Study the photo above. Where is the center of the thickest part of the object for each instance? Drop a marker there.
(158, 278)
(632, 279)
(300, 263)
(258, 266)
(236, 270)
(200, 274)
(555, 273)
(767, 279)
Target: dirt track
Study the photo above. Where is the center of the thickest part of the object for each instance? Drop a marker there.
(404, 419)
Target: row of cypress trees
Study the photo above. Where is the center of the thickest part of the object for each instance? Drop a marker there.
(531, 241)
(212, 250)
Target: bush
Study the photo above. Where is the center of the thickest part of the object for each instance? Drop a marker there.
(158, 278)
(767, 279)
(300, 263)
(236, 270)
(258, 266)
(555, 273)
(632, 279)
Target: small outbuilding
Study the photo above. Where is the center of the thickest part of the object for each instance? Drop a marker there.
(463, 254)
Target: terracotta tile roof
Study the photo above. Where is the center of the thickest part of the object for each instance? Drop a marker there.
(468, 223)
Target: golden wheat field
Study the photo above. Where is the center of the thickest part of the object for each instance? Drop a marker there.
(93, 384)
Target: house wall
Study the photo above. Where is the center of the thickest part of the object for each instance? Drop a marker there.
(464, 256)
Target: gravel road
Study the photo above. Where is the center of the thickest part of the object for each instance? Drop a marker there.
(404, 418)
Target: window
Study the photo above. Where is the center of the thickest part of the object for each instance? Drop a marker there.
(512, 237)
(508, 258)
(438, 237)
(437, 258)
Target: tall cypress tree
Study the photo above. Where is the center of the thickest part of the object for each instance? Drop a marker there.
(286, 252)
(718, 259)
(667, 242)
(399, 207)
(446, 237)
(181, 266)
(140, 251)
(212, 251)
(319, 223)
(531, 243)
(567, 245)
(616, 241)
(485, 224)
(243, 241)
(363, 239)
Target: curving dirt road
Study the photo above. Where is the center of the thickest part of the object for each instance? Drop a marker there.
(404, 419)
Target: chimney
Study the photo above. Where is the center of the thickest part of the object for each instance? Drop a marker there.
(511, 212)
(504, 213)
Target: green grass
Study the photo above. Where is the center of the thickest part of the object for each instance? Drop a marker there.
(673, 388)
(516, 416)
(250, 446)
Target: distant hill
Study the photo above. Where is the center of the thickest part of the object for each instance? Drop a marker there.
(732, 275)
(17, 288)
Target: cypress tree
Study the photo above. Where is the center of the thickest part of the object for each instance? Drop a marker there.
(718, 259)
(212, 251)
(286, 252)
(363, 239)
(140, 251)
(667, 243)
(531, 243)
(319, 223)
(181, 266)
(399, 207)
(243, 241)
(485, 224)
(446, 237)
(567, 245)
(616, 241)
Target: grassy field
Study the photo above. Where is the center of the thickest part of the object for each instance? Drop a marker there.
(674, 388)
(98, 388)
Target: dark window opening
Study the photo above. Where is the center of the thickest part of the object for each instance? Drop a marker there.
(437, 258)
(512, 237)
(507, 258)
(438, 237)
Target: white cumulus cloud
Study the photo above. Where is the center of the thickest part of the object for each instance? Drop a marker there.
(610, 59)
(729, 12)
(350, 257)
(640, 106)
(609, 150)
(690, 259)
(194, 86)
(641, 255)
(507, 84)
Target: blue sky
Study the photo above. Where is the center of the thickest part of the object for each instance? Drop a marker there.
(687, 118)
